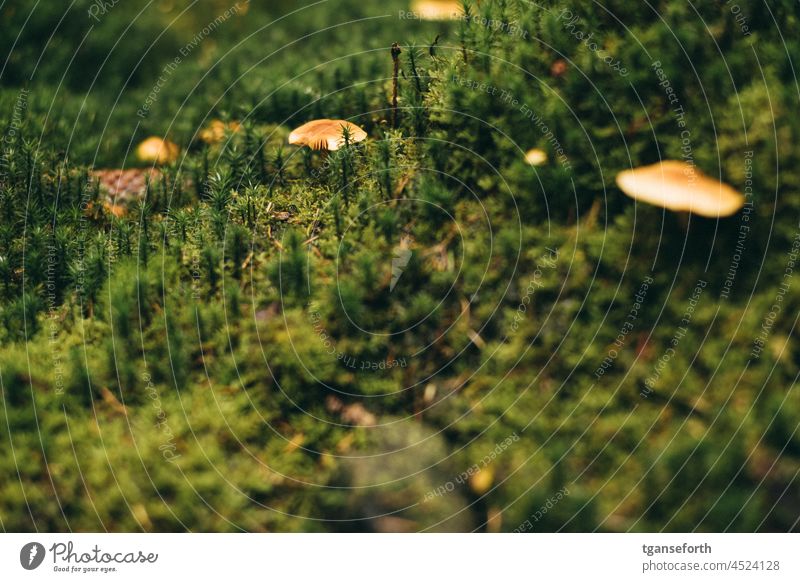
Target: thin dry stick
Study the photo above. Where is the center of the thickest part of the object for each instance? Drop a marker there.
(396, 60)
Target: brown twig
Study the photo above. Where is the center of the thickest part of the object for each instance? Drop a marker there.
(396, 61)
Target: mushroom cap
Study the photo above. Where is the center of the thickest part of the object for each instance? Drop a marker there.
(326, 134)
(125, 185)
(681, 187)
(121, 187)
(214, 132)
(437, 9)
(536, 157)
(482, 481)
(155, 150)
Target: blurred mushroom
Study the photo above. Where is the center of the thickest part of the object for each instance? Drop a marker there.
(481, 481)
(680, 187)
(357, 415)
(332, 403)
(215, 131)
(125, 185)
(326, 134)
(437, 9)
(121, 187)
(536, 157)
(429, 394)
(558, 68)
(155, 150)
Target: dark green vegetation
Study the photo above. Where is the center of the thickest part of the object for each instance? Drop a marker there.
(173, 369)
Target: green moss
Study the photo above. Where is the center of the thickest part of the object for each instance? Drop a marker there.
(180, 367)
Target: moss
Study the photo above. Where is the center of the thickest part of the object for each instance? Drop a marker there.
(190, 365)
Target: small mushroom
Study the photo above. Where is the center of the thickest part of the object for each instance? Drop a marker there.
(215, 131)
(559, 68)
(121, 187)
(680, 187)
(482, 481)
(536, 157)
(155, 150)
(326, 134)
(437, 9)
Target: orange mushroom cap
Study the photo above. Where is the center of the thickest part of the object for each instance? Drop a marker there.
(681, 187)
(536, 157)
(437, 9)
(326, 134)
(214, 132)
(482, 481)
(155, 150)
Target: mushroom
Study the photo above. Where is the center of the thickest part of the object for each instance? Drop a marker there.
(680, 187)
(155, 150)
(214, 132)
(536, 157)
(559, 68)
(125, 185)
(437, 9)
(326, 134)
(121, 187)
(481, 481)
